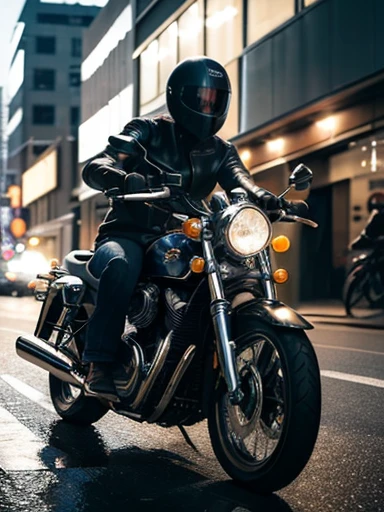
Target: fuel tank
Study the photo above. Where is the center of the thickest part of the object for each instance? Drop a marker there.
(170, 256)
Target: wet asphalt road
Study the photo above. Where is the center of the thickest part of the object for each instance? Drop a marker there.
(117, 464)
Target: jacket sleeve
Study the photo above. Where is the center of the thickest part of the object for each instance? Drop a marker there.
(103, 172)
(233, 174)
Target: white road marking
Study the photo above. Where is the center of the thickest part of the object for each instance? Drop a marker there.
(19, 447)
(378, 383)
(13, 331)
(29, 392)
(349, 349)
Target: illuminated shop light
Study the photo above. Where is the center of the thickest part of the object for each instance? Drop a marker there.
(364, 148)
(220, 17)
(328, 124)
(15, 121)
(117, 32)
(374, 144)
(374, 159)
(245, 155)
(276, 144)
(364, 163)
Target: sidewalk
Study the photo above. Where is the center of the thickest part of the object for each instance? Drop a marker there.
(333, 312)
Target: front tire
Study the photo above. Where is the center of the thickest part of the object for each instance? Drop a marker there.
(267, 440)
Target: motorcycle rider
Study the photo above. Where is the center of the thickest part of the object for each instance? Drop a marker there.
(374, 230)
(190, 159)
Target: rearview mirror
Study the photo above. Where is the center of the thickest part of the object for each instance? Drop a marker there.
(301, 178)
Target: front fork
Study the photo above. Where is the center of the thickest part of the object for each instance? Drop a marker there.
(220, 316)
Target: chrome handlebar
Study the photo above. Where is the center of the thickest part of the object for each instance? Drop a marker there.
(164, 193)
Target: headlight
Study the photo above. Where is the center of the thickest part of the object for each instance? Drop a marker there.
(249, 231)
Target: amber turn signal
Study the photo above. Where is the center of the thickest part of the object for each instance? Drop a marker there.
(197, 265)
(32, 285)
(280, 276)
(192, 228)
(281, 243)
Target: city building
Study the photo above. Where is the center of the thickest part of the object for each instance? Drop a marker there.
(108, 98)
(308, 86)
(43, 94)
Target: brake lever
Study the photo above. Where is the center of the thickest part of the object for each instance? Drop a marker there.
(301, 220)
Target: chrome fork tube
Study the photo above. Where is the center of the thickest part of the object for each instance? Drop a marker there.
(266, 270)
(220, 317)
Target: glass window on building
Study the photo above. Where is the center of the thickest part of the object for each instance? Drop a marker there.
(44, 79)
(74, 79)
(191, 34)
(167, 54)
(224, 29)
(75, 116)
(149, 78)
(264, 16)
(46, 45)
(231, 125)
(76, 47)
(43, 114)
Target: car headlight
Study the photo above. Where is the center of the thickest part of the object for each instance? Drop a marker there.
(249, 231)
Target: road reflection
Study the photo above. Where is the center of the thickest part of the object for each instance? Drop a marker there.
(89, 476)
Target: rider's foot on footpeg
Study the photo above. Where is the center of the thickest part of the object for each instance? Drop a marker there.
(99, 382)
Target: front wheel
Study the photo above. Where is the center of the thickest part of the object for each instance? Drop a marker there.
(266, 441)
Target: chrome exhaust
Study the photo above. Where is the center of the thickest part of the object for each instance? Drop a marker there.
(44, 355)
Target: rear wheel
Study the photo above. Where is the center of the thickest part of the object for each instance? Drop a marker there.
(72, 405)
(69, 401)
(266, 441)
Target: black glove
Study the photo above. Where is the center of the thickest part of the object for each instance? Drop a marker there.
(296, 207)
(266, 200)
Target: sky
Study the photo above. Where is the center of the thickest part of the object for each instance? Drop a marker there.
(9, 14)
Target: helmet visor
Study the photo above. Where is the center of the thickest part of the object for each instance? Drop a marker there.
(205, 100)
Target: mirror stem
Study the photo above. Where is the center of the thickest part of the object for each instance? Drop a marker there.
(285, 192)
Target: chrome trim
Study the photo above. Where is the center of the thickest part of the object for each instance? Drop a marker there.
(44, 355)
(156, 367)
(265, 267)
(181, 368)
(72, 288)
(146, 196)
(220, 317)
(137, 363)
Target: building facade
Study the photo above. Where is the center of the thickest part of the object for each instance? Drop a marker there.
(43, 93)
(108, 86)
(308, 85)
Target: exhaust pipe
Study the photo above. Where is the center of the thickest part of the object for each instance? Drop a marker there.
(40, 353)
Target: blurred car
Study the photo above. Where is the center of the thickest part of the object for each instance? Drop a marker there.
(16, 273)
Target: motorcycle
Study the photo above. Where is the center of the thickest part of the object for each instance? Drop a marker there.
(212, 340)
(363, 291)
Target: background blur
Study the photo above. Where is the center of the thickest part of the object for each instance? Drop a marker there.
(308, 85)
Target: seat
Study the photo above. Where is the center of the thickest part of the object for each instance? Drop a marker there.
(76, 262)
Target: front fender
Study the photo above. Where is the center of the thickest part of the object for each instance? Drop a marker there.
(273, 312)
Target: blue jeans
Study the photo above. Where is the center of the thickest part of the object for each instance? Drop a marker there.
(117, 263)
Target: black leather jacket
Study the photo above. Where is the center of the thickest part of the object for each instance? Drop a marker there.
(189, 166)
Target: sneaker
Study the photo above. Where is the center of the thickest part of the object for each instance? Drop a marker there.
(99, 382)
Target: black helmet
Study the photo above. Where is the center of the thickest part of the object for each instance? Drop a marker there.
(376, 201)
(198, 96)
